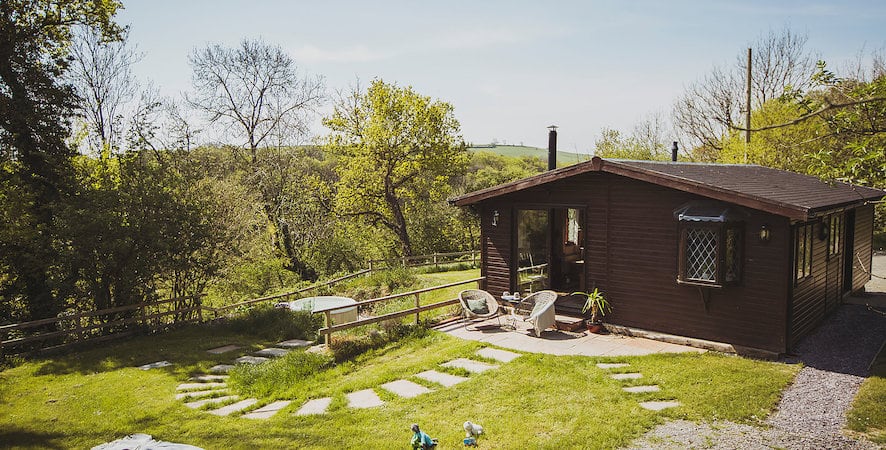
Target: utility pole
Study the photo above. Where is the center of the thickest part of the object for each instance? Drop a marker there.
(747, 121)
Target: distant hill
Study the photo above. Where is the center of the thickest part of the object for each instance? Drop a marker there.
(563, 158)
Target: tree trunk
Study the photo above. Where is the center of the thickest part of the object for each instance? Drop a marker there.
(399, 219)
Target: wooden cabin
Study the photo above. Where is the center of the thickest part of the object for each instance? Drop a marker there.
(741, 254)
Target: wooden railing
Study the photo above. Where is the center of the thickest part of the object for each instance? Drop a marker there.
(82, 326)
(221, 310)
(330, 328)
(434, 259)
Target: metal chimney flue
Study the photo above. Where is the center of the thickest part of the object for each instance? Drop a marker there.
(552, 147)
(674, 149)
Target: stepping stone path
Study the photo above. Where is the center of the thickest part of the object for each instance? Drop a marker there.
(405, 388)
(367, 398)
(209, 378)
(186, 395)
(445, 379)
(224, 349)
(607, 366)
(294, 343)
(189, 386)
(498, 355)
(470, 365)
(155, 365)
(209, 401)
(221, 368)
(626, 376)
(272, 352)
(659, 405)
(265, 412)
(250, 360)
(315, 406)
(234, 407)
(655, 405)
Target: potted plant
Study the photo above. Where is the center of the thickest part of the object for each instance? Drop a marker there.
(598, 306)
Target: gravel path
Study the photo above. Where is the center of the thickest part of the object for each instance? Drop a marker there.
(812, 411)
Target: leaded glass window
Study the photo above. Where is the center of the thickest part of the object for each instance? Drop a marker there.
(701, 254)
(710, 244)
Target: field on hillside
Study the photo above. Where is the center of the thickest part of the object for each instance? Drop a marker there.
(518, 151)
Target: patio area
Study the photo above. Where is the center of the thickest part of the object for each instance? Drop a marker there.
(556, 342)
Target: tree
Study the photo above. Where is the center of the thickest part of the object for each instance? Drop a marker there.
(35, 106)
(255, 91)
(398, 150)
(714, 105)
(647, 141)
(101, 73)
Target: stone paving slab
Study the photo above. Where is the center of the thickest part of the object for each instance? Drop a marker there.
(641, 389)
(294, 343)
(265, 412)
(498, 355)
(315, 406)
(272, 352)
(607, 366)
(186, 395)
(659, 405)
(626, 376)
(250, 360)
(224, 349)
(470, 365)
(367, 398)
(445, 379)
(209, 401)
(155, 365)
(234, 407)
(405, 388)
(221, 368)
(187, 386)
(209, 378)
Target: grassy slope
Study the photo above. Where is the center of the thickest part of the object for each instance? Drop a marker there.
(537, 401)
(518, 151)
(868, 413)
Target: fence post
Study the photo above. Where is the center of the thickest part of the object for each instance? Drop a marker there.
(473, 259)
(327, 320)
(436, 267)
(417, 304)
(370, 266)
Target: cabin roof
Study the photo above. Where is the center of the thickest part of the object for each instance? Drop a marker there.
(788, 194)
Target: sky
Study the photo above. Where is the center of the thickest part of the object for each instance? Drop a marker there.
(509, 68)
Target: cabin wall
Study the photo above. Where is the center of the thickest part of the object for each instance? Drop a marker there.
(863, 254)
(809, 303)
(631, 254)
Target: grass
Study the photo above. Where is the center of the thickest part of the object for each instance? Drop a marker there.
(536, 401)
(868, 414)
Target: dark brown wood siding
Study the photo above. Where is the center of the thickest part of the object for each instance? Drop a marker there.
(631, 255)
(809, 300)
(496, 248)
(862, 254)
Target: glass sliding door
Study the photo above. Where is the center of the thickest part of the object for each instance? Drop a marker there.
(533, 249)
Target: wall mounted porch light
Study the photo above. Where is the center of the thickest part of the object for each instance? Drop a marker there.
(764, 233)
(495, 218)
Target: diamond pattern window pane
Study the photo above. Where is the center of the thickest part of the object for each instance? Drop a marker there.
(701, 254)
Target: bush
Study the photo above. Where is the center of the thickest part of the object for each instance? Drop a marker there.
(348, 347)
(272, 323)
(377, 284)
(292, 368)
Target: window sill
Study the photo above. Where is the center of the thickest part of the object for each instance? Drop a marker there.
(699, 284)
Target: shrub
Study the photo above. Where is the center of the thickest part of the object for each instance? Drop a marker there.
(272, 323)
(292, 368)
(347, 347)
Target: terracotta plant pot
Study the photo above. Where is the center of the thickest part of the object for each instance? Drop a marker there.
(594, 327)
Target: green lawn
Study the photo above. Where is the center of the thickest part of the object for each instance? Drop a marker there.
(536, 401)
(868, 413)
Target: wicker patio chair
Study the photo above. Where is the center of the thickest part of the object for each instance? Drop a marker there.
(478, 305)
(538, 309)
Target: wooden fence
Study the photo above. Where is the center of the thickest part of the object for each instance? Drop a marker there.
(99, 325)
(330, 328)
(94, 326)
(436, 259)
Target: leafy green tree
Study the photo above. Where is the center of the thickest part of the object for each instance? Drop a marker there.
(35, 106)
(398, 151)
